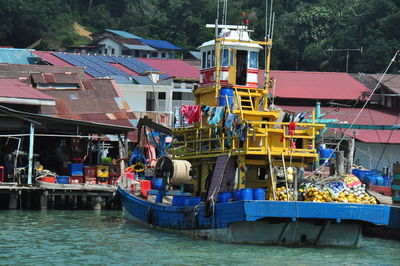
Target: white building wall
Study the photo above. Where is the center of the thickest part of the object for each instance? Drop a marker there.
(368, 154)
(109, 45)
(135, 95)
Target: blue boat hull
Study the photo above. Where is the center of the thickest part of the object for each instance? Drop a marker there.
(262, 222)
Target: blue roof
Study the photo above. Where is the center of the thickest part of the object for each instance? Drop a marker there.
(124, 34)
(16, 56)
(160, 44)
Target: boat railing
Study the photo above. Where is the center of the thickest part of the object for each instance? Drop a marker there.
(260, 138)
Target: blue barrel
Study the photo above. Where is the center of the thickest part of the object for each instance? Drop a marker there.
(179, 200)
(224, 197)
(159, 197)
(246, 194)
(157, 183)
(258, 194)
(225, 93)
(192, 201)
(237, 195)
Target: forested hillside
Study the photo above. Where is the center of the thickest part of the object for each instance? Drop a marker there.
(304, 29)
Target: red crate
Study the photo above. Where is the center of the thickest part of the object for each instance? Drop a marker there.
(102, 180)
(113, 181)
(89, 171)
(114, 171)
(90, 180)
(76, 179)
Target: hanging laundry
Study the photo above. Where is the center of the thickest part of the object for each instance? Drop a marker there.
(243, 134)
(219, 112)
(191, 113)
(229, 120)
(292, 128)
(299, 117)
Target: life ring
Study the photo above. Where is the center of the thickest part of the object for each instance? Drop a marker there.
(137, 167)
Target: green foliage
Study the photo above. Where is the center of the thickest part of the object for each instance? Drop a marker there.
(304, 29)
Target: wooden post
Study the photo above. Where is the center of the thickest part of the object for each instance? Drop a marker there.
(30, 156)
(43, 200)
(13, 201)
(97, 203)
(350, 157)
(340, 163)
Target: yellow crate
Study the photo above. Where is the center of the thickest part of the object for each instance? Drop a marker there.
(102, 171)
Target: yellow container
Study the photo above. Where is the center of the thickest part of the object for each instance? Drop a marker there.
(102, 171)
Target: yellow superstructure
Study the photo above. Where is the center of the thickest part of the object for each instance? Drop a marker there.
(267, 144)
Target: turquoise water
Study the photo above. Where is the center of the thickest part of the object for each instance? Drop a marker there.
(108, 237)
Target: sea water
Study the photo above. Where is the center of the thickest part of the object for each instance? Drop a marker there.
(108, 237)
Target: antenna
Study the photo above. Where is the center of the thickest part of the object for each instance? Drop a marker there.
(347, 50)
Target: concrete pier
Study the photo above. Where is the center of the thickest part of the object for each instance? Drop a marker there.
(58, 196)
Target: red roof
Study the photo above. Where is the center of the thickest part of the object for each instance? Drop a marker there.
(173, 67)
(367, 117)
(49, 57)
(14, 88)
(315, 85)
(124, 69)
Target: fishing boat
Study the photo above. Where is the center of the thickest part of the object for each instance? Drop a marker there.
(234, 168)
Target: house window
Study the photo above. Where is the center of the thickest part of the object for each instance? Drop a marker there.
(126, 52)
(176, 95)
(161, 95)
(203, 63)
(150, 101)
(112, 51)
(225, 58)
(253, 60)
(99, 51)
(137, 53)
(105, 51)
(171, 55)
(154, 54)
(163, 55)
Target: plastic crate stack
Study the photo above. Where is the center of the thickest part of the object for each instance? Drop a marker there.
(396, 183)
(76, 173)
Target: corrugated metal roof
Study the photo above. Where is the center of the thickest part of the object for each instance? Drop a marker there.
(16, 56)
(125, 69)
(173, 67)
(391, 81)
(55, 78)
(367, 117)
(315, 85)
(14, 88)
(159, 44)
(49, 57)
(138, 47)
(123, 34)
(143, 80)
(195, 54)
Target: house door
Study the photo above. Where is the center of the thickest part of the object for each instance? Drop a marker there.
(241, 69)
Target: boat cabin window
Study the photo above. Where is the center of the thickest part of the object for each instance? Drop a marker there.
(204, 60)
(232, 59)
(212, 58)
(253, 60)
(208, 59)
(225, 58)
(241, 68)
